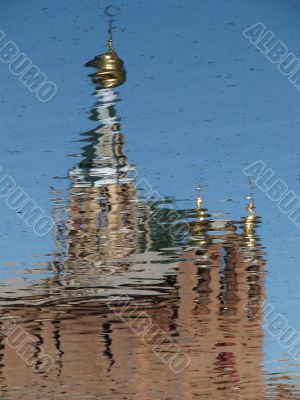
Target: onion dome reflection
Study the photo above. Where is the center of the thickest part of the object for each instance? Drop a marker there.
(110, 68)
(252, 257)
(100, 228)
(201, 223)
(105, 224)
(229, 256)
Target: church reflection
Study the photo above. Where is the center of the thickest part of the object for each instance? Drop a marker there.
(103, 224)
(106, 227)
(209, 301)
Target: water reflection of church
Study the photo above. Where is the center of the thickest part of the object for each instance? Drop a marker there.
(103, 224)
(106, 227)
(211, 305)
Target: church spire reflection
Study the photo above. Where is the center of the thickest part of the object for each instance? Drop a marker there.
(102, 222)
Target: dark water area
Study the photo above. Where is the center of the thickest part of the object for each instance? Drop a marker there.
(156, 266)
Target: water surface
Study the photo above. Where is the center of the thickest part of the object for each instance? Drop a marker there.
(153, 217)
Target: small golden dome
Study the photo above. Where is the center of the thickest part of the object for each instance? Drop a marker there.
(110, 68)
(250, 222)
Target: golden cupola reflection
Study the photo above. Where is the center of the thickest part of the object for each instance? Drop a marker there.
(200, 210)
(110, 68)
(249, 223)
(200, 226)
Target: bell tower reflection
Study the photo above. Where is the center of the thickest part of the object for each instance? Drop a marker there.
(221, 293)
(102, 225)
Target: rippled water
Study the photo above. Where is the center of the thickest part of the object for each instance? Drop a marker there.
(157, 278)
